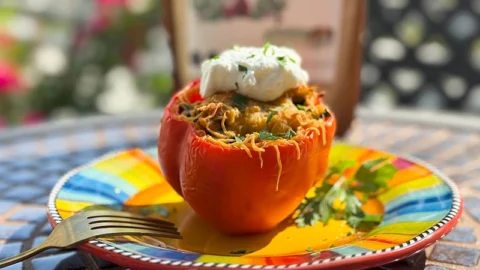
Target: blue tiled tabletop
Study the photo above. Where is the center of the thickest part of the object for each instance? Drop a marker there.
(32, 160)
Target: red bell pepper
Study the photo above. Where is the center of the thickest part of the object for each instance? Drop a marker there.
(229, 189)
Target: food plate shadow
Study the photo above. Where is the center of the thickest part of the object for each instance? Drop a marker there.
(197, 235)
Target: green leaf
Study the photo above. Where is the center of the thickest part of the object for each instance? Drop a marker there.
(270, 116)
(239, 101)
(266, 46)
(251, 56)
(309, 249)
(326, 212)
(354, 221)
(282, 61)
(215, 57)
(242, 68)
(341, 166)
(267, 136)
(375, 218)
(239, 139)
(292, 60)
(353, 205)
(289, 134)
(301, 107)
(370, 177)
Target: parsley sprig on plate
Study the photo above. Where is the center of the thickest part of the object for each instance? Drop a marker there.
(344, 198)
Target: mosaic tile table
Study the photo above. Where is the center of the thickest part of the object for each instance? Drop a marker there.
(32, 159)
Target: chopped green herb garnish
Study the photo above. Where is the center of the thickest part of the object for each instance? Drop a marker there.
(239, 101)
(251, 56)
(267, 136)
(266, 46)
(282, 61)
(239, 139)
(270, 116)
(273, 112)
(215, 57)
(301, 107)
(242, 68)
(309, 249)
(241, 251)
(350, 233)
(371, 177)
(236, 85)
(292, 60)
(289, 134)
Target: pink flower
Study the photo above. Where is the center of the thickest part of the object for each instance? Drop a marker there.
(32, 118)
(9, 78)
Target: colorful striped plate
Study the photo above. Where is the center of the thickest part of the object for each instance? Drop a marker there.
(421, 205)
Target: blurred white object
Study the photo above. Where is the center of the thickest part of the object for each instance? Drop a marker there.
(121, 94)
(49, 60)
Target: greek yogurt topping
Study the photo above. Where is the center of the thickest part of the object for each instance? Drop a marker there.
(263, 74)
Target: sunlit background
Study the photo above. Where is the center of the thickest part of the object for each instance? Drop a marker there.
(65, 59)
(62, 60)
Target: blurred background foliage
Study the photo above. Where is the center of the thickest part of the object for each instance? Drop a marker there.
(62, 60)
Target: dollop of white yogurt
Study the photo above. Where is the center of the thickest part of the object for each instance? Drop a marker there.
(260, 73)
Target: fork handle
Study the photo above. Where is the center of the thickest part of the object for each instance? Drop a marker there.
(24, 255)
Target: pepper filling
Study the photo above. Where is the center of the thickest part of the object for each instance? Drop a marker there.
(231, 118)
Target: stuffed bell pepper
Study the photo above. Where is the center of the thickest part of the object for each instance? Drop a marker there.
(244, 144)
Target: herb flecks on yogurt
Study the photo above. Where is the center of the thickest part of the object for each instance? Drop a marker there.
(261, 73)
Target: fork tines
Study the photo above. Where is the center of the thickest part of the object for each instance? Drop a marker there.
(136, 224)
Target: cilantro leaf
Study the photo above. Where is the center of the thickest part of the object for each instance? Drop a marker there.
(282, 61)
(344, 199)
(242, 68)
(292, 60)
(301, 107)
(289, 134)
(215, 57)
(239, 101)
(266, 46)
(270, 116)
(251, 56)
(239, 139)
(309, 249)
(354, 221)
(372, 218)
(340, 167)
(370, 178)
(267, 136)
(273, 112)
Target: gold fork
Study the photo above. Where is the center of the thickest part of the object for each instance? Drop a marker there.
(84, 226)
